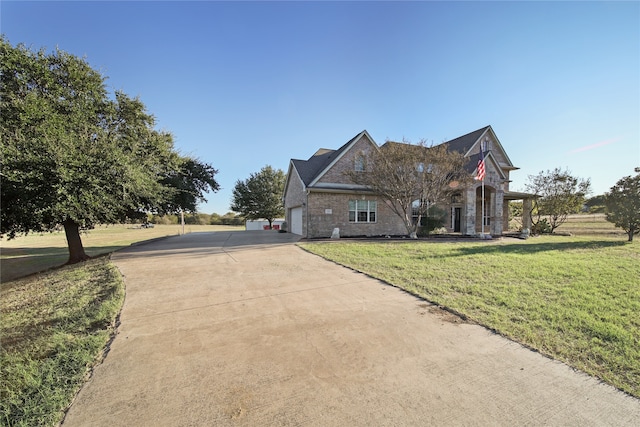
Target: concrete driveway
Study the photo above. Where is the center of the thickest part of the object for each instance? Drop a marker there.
(245, 328)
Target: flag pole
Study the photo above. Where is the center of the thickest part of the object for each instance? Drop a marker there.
(482, 216)
(482, 171)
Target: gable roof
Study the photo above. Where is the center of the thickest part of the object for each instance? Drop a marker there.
(464, 143)
(313, 168)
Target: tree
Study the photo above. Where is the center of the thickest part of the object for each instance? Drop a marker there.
(260, 196)
(187, 185)
(411, 178)
(73, 156)
(558, 194)
(623, 204)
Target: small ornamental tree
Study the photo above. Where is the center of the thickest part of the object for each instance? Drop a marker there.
(558, 195)
(260, 195)
(623, 204)
(74, 157)
(411, 178)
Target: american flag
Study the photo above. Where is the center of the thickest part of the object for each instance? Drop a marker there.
(481, 169)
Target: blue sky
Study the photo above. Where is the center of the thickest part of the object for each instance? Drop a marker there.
(242, 85)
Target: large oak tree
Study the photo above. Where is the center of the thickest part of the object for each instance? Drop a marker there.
(74, 156)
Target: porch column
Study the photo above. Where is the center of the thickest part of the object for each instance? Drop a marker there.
(498, 211)
(526, 214)
(468, 226)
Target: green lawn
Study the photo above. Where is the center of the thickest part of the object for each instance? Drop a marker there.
(54, 328)
(576, 299)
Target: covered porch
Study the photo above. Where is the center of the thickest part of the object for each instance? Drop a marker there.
(527, 203)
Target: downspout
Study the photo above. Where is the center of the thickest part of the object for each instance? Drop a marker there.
(306, 212)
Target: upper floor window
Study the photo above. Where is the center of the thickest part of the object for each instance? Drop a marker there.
(359, 164)
(486, 144)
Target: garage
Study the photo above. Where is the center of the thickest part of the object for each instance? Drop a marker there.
(296, 220)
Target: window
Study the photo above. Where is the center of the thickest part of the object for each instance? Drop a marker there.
(359, 164)
(362, 210)
(487, 214)
(418, 207)
(456, 198)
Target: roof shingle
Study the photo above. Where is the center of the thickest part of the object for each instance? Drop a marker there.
(463, 143)
(309, 169)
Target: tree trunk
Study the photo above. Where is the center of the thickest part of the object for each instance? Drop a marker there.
(76, 250)
(631, 233)
(412, 230)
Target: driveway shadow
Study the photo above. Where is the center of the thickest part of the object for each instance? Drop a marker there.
(200, 244)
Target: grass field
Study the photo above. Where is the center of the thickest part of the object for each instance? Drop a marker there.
(576, 299)
(54, 328)
(40, 251)
(590, 225)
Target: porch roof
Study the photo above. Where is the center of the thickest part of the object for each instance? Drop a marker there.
(516, 195)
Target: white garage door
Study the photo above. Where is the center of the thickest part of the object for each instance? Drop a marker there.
(296, 220)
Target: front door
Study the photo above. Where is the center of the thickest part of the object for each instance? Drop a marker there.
(457, 213)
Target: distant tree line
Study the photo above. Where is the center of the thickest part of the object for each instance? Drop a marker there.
(197, 218)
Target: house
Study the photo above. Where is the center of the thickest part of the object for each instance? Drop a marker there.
(319, 197)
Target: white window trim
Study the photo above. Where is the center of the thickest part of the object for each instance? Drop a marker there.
(372, 207)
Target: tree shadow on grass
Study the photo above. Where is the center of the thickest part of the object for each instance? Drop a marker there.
(21, 262)
(530, 248)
